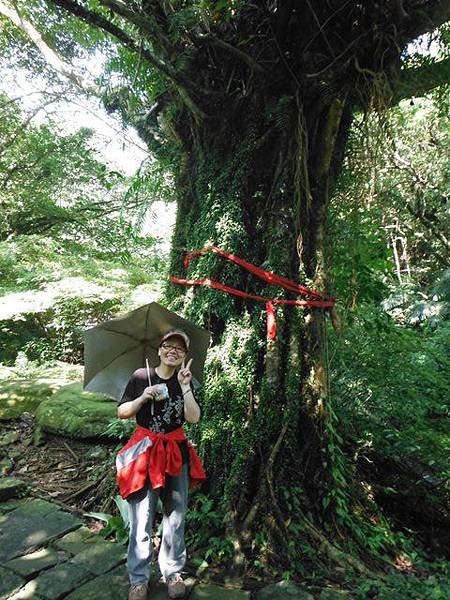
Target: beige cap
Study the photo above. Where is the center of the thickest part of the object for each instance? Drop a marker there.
(176, 333)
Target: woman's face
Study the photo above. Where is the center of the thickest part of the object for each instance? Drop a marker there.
(172, 352)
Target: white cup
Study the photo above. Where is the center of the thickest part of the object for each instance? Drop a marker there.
(162, 391)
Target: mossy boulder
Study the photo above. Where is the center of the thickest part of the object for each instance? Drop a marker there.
(75, 413)
(10, 487)
(22, 395)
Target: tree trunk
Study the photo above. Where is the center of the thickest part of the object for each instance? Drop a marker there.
(262, 193)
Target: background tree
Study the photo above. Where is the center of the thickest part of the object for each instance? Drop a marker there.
(251, 103)
(72, 244)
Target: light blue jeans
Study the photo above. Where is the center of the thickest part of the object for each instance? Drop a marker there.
(142, 509)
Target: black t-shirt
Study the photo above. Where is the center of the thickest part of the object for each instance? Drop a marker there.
(168, 414)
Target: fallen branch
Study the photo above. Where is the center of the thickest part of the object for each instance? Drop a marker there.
(71, 451)
(85, 488)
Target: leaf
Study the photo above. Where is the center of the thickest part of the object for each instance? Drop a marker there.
(123, 507)
(100, 516)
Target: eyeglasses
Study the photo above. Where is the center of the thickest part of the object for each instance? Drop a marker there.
(177, 349)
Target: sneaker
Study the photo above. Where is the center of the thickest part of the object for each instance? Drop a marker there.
(175, 586)
(138, 591)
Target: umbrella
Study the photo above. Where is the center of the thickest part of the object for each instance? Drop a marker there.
(114, 349)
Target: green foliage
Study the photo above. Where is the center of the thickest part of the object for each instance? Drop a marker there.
(52, 291)
(203, 522)
(120, 429)
(400, 377)
(117, 527)
(393, 407)
(53, 328)
(230, 368)
(49, 181)
(54, 185)
(68, 221)
(390, 369)
(419, 306)
(400, 587)
(389, 217)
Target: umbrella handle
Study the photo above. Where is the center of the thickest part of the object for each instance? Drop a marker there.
(152, 409)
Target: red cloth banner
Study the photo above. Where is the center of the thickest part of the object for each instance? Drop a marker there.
(317, 301)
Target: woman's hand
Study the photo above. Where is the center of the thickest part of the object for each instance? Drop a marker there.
(184, 374)
(131, 408)
(149, 393)
(191, 408)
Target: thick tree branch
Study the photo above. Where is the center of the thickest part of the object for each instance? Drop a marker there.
(423, 18)
(181, 83)
(144, 24)
(417, 82)
(52, 58)
(215, 41)
(97, 20)
(21, 128)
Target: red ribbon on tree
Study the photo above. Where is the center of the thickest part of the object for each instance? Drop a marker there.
(317, 301)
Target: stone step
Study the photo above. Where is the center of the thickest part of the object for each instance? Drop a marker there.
(9, 583)
(207, 591)
(30, 564)
(34, 523)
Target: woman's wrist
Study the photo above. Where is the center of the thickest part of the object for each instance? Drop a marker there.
(185, 389)
(141, 401)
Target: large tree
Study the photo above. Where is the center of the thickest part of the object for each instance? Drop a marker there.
(251, 102)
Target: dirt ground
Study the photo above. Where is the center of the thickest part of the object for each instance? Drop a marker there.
(78, 474)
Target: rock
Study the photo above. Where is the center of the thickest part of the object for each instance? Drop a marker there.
(15, 454)
(9, 438)
(9, 505)
(111, 586)
(59, 580)
(35, 523)
(37, 508)
(74, 413)
(9, 582)
(6, 466)
(21, 395)
(333, 595)
(101, 557)
(206, 591)
(78, 540)
(10, 487)
(33, 563)
(26, 593)
(283, 590)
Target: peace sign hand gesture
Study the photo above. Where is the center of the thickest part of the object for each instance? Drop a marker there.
(184, 374)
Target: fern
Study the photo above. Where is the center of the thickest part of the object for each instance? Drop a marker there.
(283, 112)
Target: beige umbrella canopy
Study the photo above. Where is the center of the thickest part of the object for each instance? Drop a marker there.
(114, 349)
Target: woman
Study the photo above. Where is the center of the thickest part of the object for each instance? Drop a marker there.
(157, 462)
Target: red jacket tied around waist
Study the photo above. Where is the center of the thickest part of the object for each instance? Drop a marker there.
(150, 455)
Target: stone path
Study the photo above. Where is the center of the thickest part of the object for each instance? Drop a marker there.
(47, 553)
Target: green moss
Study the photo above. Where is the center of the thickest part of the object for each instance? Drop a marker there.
(74, 413)
(21, 396)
